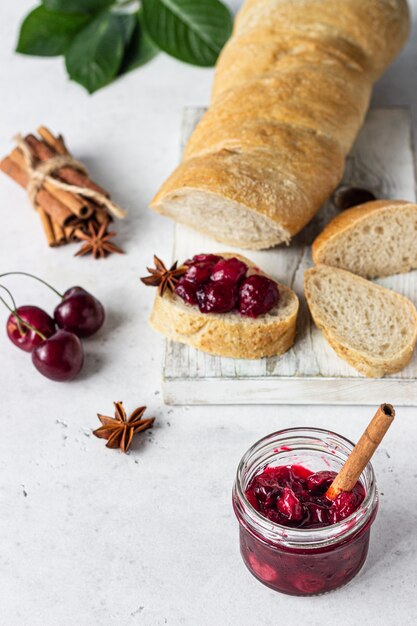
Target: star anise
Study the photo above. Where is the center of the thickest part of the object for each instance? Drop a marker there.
(97, 241)
(119, 430)
(162, 277)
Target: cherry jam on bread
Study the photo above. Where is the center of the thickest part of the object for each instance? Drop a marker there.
(222, 285)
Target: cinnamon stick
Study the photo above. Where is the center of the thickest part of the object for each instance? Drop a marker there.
(77, 205)
(67, 174)
(70, 235)
(102, 216)
(14, 171)
(80, 208)
(59, 233)
(56, 143)
(13, 166)
(47, 226)
(362, 452)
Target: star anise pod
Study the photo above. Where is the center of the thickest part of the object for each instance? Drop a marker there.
(162, 277)
(97, 241)
(119, 430)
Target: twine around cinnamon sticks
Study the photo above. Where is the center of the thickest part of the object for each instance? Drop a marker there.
(59, 187)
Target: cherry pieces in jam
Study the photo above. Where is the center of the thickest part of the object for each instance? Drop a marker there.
(219, 285)
(294, 496)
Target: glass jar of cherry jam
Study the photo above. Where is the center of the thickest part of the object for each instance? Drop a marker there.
(295, 560)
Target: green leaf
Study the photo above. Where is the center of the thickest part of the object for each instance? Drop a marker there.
(95, 54)
(77, 6)
(127, 22)
(141, 48)
(193, 31)
(46, 33)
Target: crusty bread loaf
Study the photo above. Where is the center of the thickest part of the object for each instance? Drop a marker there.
(372, 328)
(290, 93)
(228, 334)
(375, 239)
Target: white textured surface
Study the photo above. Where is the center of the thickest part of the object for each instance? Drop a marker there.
(89, 536)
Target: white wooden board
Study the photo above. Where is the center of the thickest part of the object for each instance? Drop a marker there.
(382, 160)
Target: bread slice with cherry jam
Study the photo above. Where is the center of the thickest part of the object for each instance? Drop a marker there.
(226, 306)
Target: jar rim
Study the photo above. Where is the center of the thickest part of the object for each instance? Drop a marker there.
(303, 537)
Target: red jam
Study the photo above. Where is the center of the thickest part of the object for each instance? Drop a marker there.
(219, 285)
(292, 538)
(292, 495)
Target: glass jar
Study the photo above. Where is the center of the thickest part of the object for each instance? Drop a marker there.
(300, 561)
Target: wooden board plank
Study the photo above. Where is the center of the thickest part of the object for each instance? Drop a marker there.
(382, 160)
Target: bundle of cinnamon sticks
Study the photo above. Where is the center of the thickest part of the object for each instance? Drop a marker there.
(70, 205)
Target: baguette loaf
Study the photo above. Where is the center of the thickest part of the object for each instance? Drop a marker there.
(291, 90)
(374, 239)
(372, 328)
(228, 334)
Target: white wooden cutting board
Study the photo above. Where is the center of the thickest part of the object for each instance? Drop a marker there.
(382, 160)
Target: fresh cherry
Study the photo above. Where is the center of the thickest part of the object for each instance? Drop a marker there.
(186, 290)
(59, 357)
(26, 338)
(229, 270)
(217, 297)
(79, 312)
(257, 295)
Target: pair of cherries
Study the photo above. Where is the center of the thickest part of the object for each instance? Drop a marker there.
(54, 343)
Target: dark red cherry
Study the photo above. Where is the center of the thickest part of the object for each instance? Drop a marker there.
(257, 295)
(309, 583)
(344, 505)
(187, 291)
(229, 269)
(217, 297)
(28, 339)
(206, 258)
(60, 357)
(290, 506)
(79, 312)
(318, 514)
(198, 272)
(320, 481)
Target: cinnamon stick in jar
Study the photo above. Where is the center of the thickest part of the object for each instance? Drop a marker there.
(362, 453)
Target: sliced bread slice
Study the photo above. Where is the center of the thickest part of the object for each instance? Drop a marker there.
(229, 334)
(375, 239)
(372, 328)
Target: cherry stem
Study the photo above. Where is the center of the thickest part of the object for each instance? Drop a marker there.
(19, 320)
(9, 293)
(60, 295)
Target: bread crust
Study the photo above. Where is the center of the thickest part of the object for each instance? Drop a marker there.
(367, 364)
(291, 66)
(345, 221)
(229, 335)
